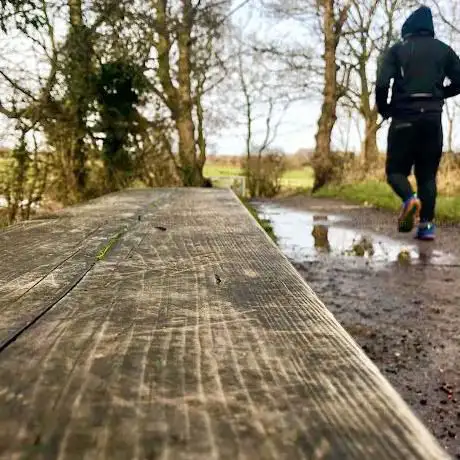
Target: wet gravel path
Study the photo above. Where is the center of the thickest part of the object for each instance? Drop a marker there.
(400, 300)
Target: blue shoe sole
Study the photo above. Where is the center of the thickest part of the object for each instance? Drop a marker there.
(425, 237)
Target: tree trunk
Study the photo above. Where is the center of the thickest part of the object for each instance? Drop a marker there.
(322, 161)
(450, 136)
(370, 150)
(79, 69)
(450, 112)
(201, 135)
(75, 13)
(179, 99)
(249, 173)
(192, 170)
(368, 111)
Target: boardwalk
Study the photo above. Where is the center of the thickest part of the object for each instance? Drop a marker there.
(166, 325)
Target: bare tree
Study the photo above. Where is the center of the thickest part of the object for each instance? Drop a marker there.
(452, 34)
(333, 16)
(181, 35)
(209, 70)
(263, 97)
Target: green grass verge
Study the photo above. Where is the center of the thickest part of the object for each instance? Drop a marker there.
(380, 195)
(264, 223)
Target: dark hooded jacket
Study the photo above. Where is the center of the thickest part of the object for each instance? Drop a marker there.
(418, 65)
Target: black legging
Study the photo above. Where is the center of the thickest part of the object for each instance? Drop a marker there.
(415, 143)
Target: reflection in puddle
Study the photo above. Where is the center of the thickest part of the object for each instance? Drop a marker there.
(304, 236)
(320, 234)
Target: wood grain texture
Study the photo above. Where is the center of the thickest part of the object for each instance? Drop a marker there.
(60, 251)
(194, 338)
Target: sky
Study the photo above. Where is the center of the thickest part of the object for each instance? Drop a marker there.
(296, 131)
(298, 124)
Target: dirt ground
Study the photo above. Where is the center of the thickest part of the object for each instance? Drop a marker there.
(404, 313)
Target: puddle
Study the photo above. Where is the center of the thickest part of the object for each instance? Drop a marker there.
(307, 236)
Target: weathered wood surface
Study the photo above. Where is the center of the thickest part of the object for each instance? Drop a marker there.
(194, 338)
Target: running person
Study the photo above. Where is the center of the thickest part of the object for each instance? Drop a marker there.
(418, 66)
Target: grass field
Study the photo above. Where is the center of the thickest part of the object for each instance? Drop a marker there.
(214, 170)
(293, 179)
(379, 194)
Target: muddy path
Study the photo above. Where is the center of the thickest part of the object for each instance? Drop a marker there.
(399, 299)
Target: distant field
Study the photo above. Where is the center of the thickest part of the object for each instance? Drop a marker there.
(298, 178)
(213, 170)
(293, 179)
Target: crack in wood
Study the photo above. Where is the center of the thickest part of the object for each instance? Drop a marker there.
(18, 332)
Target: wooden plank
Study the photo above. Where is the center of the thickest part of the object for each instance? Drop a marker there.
(195, 338)
(60, 251)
